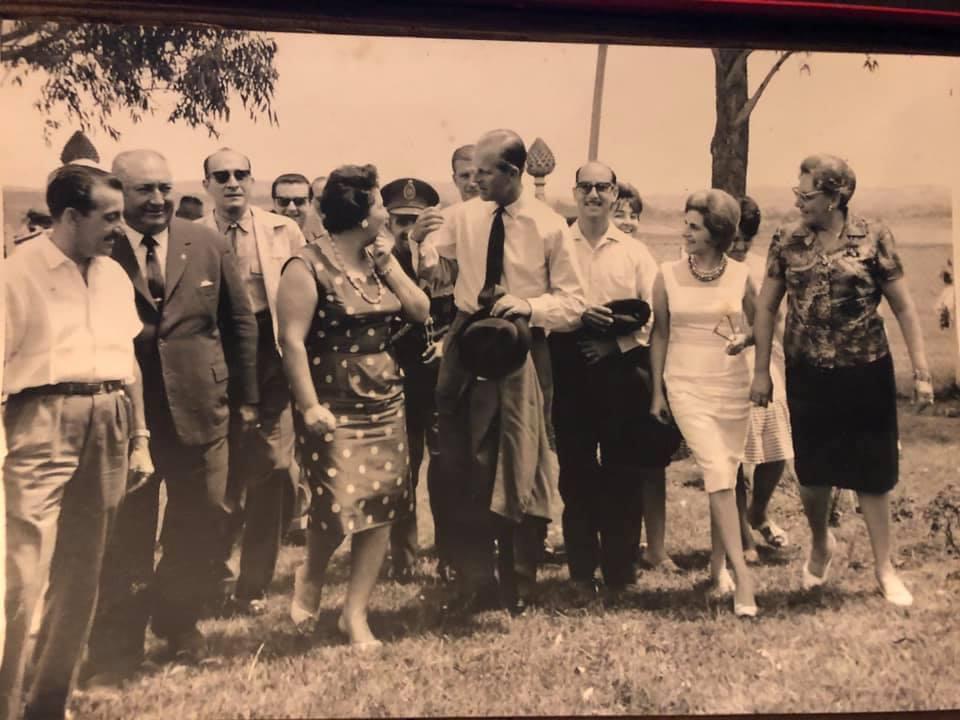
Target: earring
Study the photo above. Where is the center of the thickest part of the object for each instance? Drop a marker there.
(830, 207)
(364, 224)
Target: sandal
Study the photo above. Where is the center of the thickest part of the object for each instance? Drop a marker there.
(773, 535)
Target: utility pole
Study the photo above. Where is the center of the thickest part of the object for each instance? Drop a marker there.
(597, 101)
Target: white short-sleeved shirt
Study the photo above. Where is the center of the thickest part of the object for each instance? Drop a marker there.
(62, 329)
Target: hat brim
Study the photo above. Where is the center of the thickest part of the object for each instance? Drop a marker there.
(406, 210)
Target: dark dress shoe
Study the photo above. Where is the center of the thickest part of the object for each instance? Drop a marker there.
(189, 647)
(518, 607)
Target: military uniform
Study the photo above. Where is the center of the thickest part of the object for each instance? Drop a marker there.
(417, 348)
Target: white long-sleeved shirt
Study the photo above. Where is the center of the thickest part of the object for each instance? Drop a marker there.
(539, 261)
(617, 268)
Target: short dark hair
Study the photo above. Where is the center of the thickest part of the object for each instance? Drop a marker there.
(464, 152)
(627, 193)
(749, 217)
(721, 215)
(72, 187)
(206, 160)
(832, 175)
(290, 178)
(347, 197)
(613, 175)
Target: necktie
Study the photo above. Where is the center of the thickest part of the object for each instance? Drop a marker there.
(154, 274)
(494, 255)
(233, 230)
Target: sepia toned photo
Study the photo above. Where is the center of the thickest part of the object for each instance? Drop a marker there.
(354, 375)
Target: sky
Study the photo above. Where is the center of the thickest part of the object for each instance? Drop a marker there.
(404, 104)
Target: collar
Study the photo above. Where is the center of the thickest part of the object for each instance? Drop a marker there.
(53, 255)
(243, 224)
(514, 209)
(613, 234)
(853, 227)
(135, 237)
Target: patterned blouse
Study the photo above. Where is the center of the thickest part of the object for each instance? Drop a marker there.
(832, 298)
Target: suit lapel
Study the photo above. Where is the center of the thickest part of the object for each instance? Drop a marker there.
(124, 255)
(176, 261)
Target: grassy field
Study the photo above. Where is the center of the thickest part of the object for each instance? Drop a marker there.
(665, 649)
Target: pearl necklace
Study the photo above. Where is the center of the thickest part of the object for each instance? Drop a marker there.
(709, 275)
(343, 269)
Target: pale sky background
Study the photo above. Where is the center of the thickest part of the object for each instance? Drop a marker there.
(404, 104)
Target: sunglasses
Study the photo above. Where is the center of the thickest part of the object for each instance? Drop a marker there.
(721, 327)
(223, 176)
(285, 201)
(584, 188)
(801, 195)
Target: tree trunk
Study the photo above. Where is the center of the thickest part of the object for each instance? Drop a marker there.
(731, 138)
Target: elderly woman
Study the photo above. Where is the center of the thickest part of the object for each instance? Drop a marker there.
(769, 443)
(699, 307)
(835, 268)
(336, 301)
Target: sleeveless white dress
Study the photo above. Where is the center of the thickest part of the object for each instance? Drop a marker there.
(708, 390)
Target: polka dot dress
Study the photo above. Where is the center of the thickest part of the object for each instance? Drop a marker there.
(358, 472)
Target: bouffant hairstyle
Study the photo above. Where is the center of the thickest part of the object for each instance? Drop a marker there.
(831, 175)
(749, 217)
(72, 185)
(628, 194)
(347, 197)
(721, 215)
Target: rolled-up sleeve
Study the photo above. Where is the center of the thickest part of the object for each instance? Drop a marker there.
(562, 305)
(888, 266)
(775, 267)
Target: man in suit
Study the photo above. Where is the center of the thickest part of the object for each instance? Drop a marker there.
(199, 332)
(260, 461)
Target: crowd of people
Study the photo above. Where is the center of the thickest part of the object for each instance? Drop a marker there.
(244, 359)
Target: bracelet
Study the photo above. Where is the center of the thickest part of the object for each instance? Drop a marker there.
(384, 272)
(922, 376)
(142, 433)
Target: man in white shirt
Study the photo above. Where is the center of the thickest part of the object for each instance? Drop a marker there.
(260, 460)
(74, 402)
(601, 499)
(501, 469)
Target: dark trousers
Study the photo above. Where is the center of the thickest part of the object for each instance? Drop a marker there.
(469, 456)
(186, 578)
(419, 388)
(600, 501)
(64, 476)
(259, 476)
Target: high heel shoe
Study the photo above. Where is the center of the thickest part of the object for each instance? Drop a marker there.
(364, 645)
(303, 618)
(744, 610)
(810, 580)
(894, 591)
(723, 585)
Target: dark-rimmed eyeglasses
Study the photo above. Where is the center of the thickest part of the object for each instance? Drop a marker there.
(223, 176)
(584, 188)
(285, 201)
(809, 195)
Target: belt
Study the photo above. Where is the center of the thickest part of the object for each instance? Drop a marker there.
(73, 388)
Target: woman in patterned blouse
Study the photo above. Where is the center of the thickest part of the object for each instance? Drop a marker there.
(834, 268)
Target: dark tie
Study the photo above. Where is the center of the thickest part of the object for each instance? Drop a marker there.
(154, 275)
(494, 257)
(233, 230)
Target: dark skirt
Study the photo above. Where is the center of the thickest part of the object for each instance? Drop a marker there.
(845, 425)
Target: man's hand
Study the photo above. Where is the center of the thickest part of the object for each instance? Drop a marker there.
(141, 464)
(510, 306)
(660, 409)
(248, 417)
(319, 419)
(598, 317)
(428, 221)
(595, 349)
(433, 352)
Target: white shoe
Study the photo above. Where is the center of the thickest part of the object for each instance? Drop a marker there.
(810, 580)
(894, 591)
(723, 585)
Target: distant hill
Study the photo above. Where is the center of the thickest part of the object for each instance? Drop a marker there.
(661, 215)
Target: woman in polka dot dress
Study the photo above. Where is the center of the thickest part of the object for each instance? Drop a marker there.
(336, 301)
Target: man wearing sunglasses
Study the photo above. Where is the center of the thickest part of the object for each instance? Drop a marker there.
(260, 458)
(292, 197)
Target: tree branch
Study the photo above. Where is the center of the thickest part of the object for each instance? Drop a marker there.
(748, 107)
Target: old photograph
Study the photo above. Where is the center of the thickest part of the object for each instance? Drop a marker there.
(354, 376)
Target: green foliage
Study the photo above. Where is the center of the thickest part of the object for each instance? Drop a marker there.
(94, 72)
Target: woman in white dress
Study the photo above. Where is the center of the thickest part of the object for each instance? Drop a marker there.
(699, 308)
(769, 442)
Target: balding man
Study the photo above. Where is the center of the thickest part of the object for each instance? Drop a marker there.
(259, 460)
(199, 332)
(515, 256)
